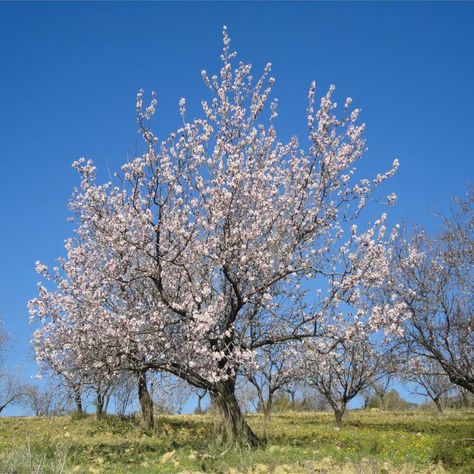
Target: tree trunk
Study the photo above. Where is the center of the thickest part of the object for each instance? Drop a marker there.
(261, 402)
(107, 400)
(366, 402)
(339, 413)
(99, 410)
(267, 414)
(146, 402)
(438, 403)
(232, 429)
(293, 401)
(78, 400)
(200, 398)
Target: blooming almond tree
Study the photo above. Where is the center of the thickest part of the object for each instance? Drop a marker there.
(434, 277)
(353, 354)
(210, 245)
(74, 346)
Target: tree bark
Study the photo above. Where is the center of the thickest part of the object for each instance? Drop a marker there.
(439, 405)
(293, 400)
(232, 428)
(146, 402)
(200, 398)
(267, 413)
(339, 413)
(99, 410)
(2, 407)
(106, 401)
(383, 402)
(78, 399)
(366, 402)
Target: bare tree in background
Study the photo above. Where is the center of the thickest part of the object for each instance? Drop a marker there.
(367, 394)
(430, 379)
(381, 389)
(11, 390)
(275, 370)
(292, 388)
(123, 393)
(171, 393)
(49, 399)
(246, 395)
(200, 396)
(103, 392)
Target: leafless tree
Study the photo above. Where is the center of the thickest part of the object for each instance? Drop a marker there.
(11, 390)
(381, 389)
(274, 371)
(200, 396)
(292, 388)
(123, 393)
(103, 392)
(367, 394)
(171, 393)
(430, 380)
(246, 395)
(47, 400)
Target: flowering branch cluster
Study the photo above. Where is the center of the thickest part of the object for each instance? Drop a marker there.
(210, 246)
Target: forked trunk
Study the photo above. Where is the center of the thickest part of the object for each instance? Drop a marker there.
(200, 398)
(146, 402)
(232, 428)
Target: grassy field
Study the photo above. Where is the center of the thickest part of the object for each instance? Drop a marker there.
(369, 442)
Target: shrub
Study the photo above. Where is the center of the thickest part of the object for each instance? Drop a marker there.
(78, 415)
(455, 454)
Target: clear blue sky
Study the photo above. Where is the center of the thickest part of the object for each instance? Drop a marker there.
(69, 73)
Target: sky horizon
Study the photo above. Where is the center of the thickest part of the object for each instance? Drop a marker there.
(70, 73)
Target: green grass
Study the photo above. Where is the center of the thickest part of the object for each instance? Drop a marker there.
(369, 442)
